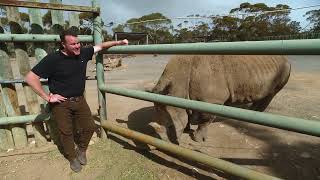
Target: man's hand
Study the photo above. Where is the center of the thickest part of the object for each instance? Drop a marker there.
(123, 42)
(53, 98)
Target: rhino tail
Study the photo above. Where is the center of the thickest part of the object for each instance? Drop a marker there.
(285, 76)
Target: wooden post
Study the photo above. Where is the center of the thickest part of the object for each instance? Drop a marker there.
(10, 101)
(24, 67)
(74, 22)
(40, 53)
(6, 139)
(57, 18)
(4, 144)
(57, 26)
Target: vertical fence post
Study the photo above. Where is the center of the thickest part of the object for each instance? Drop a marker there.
(6, 138)
(22, 59)
(57, 18)
(4, 143)
(10, 95)
(37, 28)
(57, 26)
(74, 22)
(97, 36)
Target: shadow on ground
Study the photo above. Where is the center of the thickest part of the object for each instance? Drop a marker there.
(297, 160)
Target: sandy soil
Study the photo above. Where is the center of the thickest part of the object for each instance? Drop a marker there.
(273, 151)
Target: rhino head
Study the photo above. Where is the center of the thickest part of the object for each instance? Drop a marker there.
(169, 122)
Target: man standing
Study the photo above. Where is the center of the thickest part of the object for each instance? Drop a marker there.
(66, 73)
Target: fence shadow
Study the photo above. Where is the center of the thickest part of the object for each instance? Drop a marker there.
(139, 121)
(298, 160)
(174, 165)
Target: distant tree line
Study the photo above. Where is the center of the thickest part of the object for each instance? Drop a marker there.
(246, 22)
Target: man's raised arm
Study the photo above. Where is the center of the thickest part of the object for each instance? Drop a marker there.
(108, 44)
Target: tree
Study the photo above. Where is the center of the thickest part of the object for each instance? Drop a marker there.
(201, 32)
(252, 21)
(151, 24)
(119, 28)
(225, 27)
(183, 35)
(314, 19)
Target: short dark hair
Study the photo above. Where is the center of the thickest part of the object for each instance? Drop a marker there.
(67, 32)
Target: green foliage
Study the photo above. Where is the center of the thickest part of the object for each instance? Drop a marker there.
(313, 17)
(255, 20)
(119, 28)
(245, 22)
(155, 24)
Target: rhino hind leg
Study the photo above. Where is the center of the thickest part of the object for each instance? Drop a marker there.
(200, 135)
(193, 118)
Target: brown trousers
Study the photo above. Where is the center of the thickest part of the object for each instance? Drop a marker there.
(75, 124)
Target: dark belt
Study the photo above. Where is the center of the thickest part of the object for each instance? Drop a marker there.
(75, 98)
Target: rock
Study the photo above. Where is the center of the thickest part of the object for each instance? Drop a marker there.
(113, 63)
(8, 150)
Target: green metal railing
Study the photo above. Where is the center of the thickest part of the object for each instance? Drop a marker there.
(278, 47)
(219, 164)
(309, 127)
(24, 119)
(38, 38)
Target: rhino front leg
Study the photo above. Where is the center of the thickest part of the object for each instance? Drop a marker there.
(200, 135)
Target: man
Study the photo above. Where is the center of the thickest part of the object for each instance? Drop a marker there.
(66, 73)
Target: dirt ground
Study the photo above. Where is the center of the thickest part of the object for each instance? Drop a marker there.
(276, 152)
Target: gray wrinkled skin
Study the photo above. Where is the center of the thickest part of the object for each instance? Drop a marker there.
(247, 81)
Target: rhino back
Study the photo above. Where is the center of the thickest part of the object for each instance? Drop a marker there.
(237, 78)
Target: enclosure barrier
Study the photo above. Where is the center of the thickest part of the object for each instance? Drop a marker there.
(304, 126)
(276, 47)
(24, 119)
(294, 47)
(38, 38)
(219, 164)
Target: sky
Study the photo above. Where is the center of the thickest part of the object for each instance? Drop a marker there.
(119, 11)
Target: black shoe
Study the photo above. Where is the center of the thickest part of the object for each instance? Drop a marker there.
(81, 156)
(75, 165)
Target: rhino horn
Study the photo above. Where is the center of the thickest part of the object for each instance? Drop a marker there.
(156, 126)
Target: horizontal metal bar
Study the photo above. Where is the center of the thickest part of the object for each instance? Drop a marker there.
(304, 126)
(48, 6)
(24, 119)
(23, 81)
(216, 163)
(39, 38)
(278, 47)
(18, 81)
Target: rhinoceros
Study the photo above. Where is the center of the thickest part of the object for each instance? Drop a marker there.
(247, 81)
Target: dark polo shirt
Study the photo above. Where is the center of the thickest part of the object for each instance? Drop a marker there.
(66, 74)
